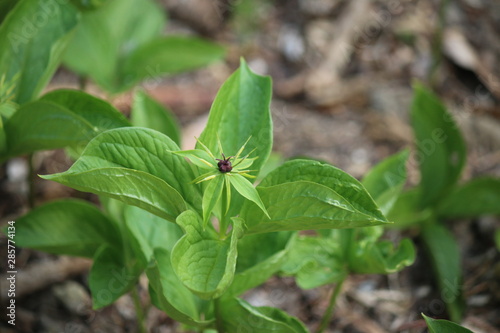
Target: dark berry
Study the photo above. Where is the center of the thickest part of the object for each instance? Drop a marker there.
(224, 165)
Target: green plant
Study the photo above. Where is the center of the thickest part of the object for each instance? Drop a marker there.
(108, 41)
(120, 44)
(444, 326)
(441, 155)
(211, 240)
(331, 255)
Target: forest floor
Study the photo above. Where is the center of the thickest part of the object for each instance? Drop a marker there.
(342, 78)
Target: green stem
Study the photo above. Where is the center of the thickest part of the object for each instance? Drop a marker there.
(223, 223)
(82, 82)
(327, 316)
(218, 317)
(139, 312)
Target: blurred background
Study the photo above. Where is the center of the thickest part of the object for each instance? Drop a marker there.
(342, 87)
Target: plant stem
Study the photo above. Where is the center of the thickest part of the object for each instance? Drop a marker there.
(218, 318)
(82, 82)
(223, 223)
(329, 311)
(138, 310)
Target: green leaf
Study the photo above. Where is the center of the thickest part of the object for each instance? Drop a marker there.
(107, 36)
(202, 261)
(66, 227)
(304, 205)
(259, 257)
(168, 55)
(112, 275)
(478, 197)
(497, 238)
(246, 189)
(169, 294)
(150, 232)
(315, 261)
(406, 212)
(99, 113)
(138, 152)
(241, 110)
(130, 186)
(368, 255)
(44, 125)
(211, 196)
(444, 253)
(441, 150)
(146, 112)
(386, 180)
(444, 326)
(32, 39)
(7, 110)
(239, 316)
(341, 183)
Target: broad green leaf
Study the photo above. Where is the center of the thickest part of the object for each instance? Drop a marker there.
(304, 205)
(444, 326)
(444, 253)
(406, 212)
(32, 39)
(259, 257)
(273, 162)
(369, 255)
(246, 189)
(344, 185)
(386, 180)
(478, 197)
(146, 112)
(150, 232)
(45, 125)
(441, 150)
(141, 151)
(168, 55)
(315, 261)
(241, 110)
(99, 113)
(107, 36)
(239, 316)
(130, 186)
(170, 295)
(202, 261)
(112, 275)
(67, 227)
(211, 196)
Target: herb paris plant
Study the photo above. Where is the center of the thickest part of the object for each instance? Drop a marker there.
(440, 156)
(197, 276)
